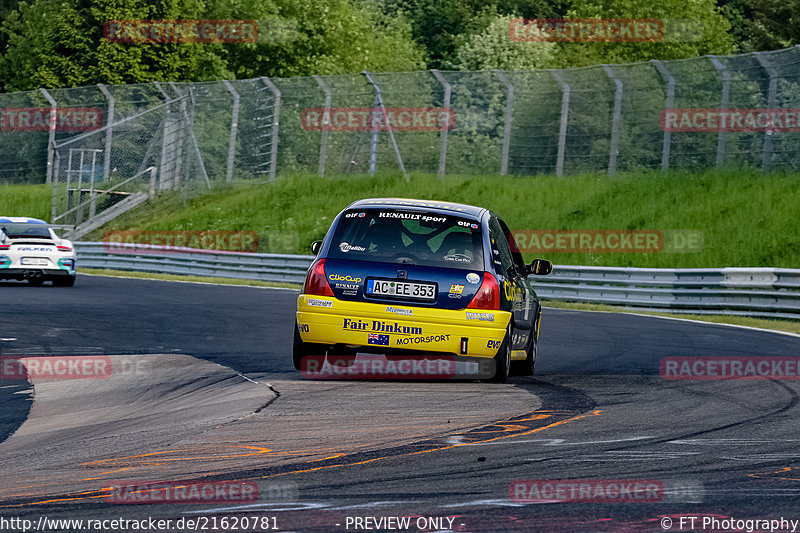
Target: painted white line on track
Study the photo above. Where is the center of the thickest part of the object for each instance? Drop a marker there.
(501, 503)
(561, 442)
(681, 320)
(287, 506)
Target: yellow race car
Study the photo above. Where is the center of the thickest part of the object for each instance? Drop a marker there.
(416, 278)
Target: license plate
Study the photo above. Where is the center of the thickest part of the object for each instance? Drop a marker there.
(401, 289)
(35, 261)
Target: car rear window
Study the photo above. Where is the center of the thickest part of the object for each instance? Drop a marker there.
(17, 230)
(408, 237)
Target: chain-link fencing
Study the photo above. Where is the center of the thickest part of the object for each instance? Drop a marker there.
(714, 111)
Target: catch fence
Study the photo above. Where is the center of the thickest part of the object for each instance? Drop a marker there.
(713, 111)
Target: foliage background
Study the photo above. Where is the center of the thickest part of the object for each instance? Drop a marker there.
(58, 43)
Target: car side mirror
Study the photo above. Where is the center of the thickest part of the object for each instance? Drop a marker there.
(512, 272)
(316, 246)
(540, 267)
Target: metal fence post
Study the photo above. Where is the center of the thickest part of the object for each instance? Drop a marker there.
(726, 91)
(562, 127)
(109, 122)
(507, 128)
(772, 72)
(54, 207)
(92, 198)
(379, 100)
(667, 142)
(447, 93)
(163, 174)
(51, 141)
(617, 118)
(373, 145)
(234, 127)
(276, 114)
(323, 143)
(179, 172)
(188, 118)
(153, 180)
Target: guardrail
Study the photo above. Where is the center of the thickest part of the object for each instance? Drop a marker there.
(282, 268)
(764, 292)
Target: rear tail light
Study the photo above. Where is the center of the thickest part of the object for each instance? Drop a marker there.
(64, 248)
(316, 283)
(5, 246)
(488, 295)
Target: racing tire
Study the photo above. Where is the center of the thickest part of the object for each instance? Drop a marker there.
(302, 349)
(65, 281)
(526, 366)
(502, 361)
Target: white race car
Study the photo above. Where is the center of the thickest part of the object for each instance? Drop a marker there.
(31, 250)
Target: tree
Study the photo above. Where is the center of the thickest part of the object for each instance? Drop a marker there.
(494, 49)
(759, 25)
(59, 43)
(305, 37)
(740, 15)
(775, 24)
(442, 26)
(692, 28)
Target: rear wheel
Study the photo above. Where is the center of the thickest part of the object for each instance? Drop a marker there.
(302, 349)
(525, 367)
(502, 361)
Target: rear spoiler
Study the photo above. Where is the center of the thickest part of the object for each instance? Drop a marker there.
(31, 241)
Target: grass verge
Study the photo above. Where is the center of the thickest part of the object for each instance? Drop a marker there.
(746, 219)
(31, 201)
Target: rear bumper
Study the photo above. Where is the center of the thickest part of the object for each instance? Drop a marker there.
(327, 320)
(26, 273)
(56, 266)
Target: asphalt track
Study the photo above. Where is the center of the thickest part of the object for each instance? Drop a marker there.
(203, 389)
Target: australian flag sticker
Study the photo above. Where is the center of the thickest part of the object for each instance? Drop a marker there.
(374, 338)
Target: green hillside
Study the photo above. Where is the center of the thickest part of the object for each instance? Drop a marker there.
(745, 219)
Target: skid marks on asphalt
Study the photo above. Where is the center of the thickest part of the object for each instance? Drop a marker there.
(514, 427)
